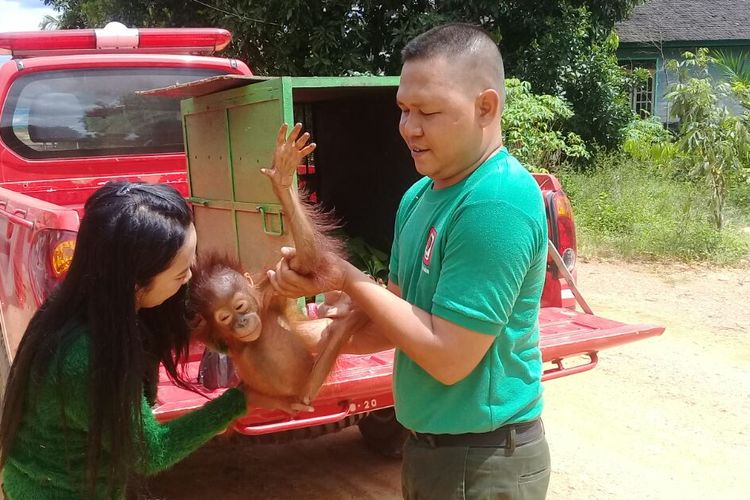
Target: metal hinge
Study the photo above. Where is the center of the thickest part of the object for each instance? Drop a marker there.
(557, 259)
(270, 214)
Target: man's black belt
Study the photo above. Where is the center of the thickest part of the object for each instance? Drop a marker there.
(508, 436)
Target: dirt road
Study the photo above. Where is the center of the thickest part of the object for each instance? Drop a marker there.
(665, 418)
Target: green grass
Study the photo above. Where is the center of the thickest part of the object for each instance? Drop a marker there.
(738, 211)
(625, 210)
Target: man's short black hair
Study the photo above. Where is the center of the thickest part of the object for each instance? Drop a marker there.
(458, 41)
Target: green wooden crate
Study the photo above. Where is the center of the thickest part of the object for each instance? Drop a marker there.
(229, 136)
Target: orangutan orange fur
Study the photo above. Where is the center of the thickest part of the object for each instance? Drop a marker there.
(270, 341)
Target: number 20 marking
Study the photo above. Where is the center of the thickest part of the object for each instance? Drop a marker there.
(373, 403)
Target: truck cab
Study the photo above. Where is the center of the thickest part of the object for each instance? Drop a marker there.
(70, 121)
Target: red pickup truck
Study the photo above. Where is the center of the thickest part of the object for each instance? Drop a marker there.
(71, 120)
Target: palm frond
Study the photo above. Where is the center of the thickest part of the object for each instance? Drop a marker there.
(734, 65)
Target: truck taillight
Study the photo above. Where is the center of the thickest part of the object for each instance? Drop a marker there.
(61, 257)
(562, 228)
(562, 234)
(51, 254)
(115, 37)
(566, 230)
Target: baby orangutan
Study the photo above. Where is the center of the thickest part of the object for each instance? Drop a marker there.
(270, 341)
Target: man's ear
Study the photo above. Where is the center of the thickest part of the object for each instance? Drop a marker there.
(489, 107)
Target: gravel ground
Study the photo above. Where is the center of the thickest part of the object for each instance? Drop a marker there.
(659, 419)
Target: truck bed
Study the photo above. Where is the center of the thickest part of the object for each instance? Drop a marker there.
(565, 336)
(364, 379)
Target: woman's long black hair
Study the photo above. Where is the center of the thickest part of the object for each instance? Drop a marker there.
(130, 232)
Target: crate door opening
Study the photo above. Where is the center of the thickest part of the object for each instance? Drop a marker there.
(361, 166)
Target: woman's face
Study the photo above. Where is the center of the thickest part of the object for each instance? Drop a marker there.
(166, 283)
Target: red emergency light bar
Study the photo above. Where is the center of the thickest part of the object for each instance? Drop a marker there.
(115, 37)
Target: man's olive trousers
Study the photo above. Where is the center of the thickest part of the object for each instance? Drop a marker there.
(463, 472)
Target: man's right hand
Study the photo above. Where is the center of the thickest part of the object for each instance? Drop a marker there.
(331, 275)
(289, 405)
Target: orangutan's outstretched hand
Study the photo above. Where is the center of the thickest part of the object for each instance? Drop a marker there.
(289, 153)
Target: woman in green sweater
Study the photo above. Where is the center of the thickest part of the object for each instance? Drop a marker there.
(76, 422)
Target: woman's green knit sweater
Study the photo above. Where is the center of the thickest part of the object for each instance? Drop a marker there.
(48, 458)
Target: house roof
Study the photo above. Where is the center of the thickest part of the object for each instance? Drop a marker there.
(686, 20)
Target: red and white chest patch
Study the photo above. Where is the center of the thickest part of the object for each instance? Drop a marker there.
(429, 246)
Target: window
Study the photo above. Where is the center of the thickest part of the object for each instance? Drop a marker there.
(642, 95)
(94, 112)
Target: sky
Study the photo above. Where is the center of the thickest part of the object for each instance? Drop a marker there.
(21, 15)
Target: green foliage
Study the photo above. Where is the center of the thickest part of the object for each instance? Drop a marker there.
(368, 259)
(648, 141)
(532, 127)
(575, 59)
(625, 209)
(646, 131)
(739, 194)
(136, 13)
(736, 67)
(562, 47)
(715, 143)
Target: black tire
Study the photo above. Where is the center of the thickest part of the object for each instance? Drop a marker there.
(383, 434)
(298, 434)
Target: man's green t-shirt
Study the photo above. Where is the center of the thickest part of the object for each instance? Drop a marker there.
(474, 254)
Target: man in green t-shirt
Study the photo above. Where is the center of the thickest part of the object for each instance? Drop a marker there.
(466, 275)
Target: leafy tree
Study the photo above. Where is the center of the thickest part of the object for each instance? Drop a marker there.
(142, 13)
(562, 47)
(571, 56)
(715, 143)
(531, 124)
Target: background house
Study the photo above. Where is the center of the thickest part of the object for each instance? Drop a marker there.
(660, 30)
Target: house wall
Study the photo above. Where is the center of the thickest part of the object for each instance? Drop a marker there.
(664, 78)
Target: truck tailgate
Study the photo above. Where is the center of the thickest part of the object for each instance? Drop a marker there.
(23, 222)
(565, 333)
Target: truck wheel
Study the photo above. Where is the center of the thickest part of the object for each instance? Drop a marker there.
(383, 434)
(297, 434)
